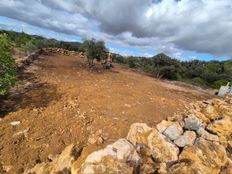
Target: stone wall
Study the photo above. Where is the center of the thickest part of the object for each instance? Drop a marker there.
(62, 51)
(198, 141)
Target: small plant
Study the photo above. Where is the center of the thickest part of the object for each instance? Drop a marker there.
(7, 65)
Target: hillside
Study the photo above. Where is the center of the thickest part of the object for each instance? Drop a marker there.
(58, 100)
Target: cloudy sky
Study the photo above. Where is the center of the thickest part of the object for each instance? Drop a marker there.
(185, 29)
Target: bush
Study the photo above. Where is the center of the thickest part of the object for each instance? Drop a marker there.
(217, 84)
(198, 81)
(29, 46)
(7, 65)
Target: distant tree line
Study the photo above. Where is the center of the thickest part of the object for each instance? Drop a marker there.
(33, 42)
(211, 74)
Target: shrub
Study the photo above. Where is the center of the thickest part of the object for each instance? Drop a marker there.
(217, 84)
(198, 81)
(7, 65)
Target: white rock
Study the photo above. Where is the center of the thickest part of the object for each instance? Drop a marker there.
(174, 131)
(125, 150)
(15, 123)
(121, 149)
(193, 123)
(119, 154)
(187, 138)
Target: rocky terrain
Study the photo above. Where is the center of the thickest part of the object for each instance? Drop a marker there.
(59, 102)
(196, 142)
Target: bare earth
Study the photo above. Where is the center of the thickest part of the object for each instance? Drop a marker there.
(65, 103)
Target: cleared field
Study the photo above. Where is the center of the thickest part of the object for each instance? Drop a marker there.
(59, 101)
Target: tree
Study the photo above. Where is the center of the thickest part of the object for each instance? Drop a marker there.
(94, 50)
(7, 65)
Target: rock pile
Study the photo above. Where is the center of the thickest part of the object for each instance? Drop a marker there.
(22, 62)
(62, 51)
(196, 142)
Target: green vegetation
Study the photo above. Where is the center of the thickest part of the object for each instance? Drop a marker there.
(205, 74)
(7, 65)
(94, 50)
(31, 43)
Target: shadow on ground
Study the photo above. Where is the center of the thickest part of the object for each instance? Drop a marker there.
(28, 92)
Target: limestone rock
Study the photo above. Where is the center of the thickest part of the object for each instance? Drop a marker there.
(174, 131)
(60, 164)
(206, 135)
(138, 133)
(108, 164)
(223, 128)
(204, 157)
(210, 112)
(200, 115)
(120, 157)
(162, 149)
(187, 138)
(163, 125)
(193, 123)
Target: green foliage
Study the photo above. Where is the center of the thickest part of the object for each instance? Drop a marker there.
(30, 46)
(198, 81)
(118, 59)
(7, 65)
(205, 74)
(94, 50)
(217, 84)
(31, 43)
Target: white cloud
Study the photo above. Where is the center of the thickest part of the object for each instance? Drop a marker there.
(168, 26)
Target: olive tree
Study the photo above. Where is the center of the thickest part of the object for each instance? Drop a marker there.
(94, 50)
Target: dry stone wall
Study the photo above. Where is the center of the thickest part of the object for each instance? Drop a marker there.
(62, 51)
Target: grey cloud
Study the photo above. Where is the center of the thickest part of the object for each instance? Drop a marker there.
(169, 26)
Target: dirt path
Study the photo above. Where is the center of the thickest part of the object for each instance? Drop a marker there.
(64, 103)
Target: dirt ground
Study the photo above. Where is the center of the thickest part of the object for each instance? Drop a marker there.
(58, 101)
